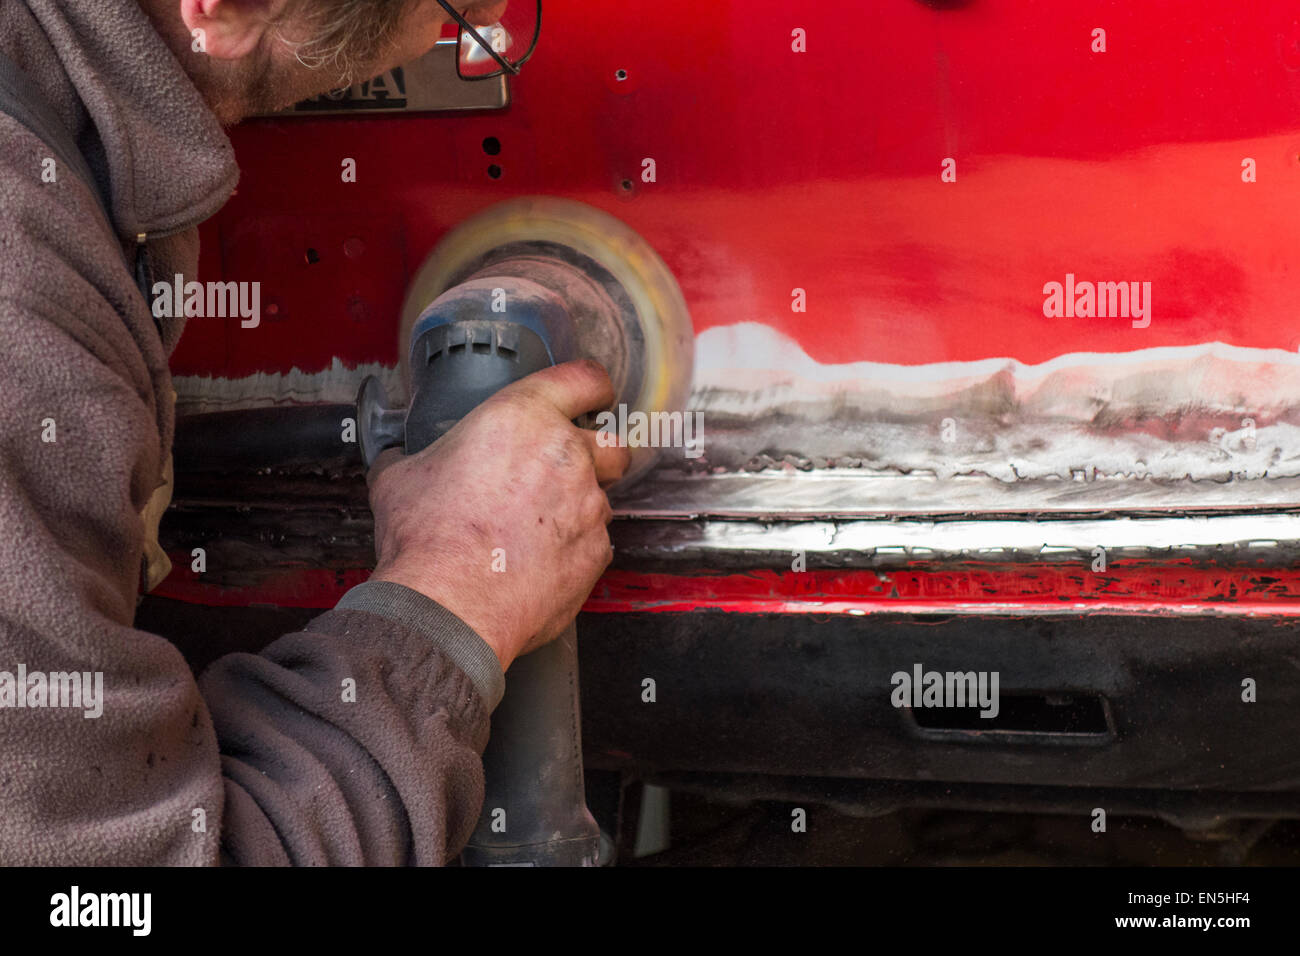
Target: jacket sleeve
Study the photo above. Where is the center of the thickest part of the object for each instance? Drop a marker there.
(357, 740)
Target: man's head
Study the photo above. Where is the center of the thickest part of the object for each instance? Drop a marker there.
(250, 56)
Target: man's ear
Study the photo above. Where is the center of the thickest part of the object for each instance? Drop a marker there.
(486, 12)
(228, 29)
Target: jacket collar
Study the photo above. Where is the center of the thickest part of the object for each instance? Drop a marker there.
(144, 125)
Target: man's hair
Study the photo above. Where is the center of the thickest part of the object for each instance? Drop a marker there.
(343, 35)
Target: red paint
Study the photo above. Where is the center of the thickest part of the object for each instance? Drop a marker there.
(297, 587)
(1007, 588)
(1135, 587)
(821, 170)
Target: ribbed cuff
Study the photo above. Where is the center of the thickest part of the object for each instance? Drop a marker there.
(453, 637)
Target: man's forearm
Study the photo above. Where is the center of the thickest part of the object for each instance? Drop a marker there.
(357, 740)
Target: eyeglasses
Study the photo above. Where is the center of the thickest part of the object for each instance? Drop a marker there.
(499, 48)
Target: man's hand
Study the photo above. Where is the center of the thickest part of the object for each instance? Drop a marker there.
(516, 475)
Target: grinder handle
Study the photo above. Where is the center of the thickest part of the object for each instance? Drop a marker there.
(534, 808)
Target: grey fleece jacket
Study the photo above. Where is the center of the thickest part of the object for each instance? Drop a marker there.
(265, 760)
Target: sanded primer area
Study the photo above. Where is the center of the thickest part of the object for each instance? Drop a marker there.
(1207, 425)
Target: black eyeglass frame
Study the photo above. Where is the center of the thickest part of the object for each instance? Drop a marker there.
(506, 65)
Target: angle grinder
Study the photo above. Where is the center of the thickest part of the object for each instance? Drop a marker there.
(524, 285)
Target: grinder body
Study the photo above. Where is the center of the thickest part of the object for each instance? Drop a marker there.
(525, 284)
(472, 341)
